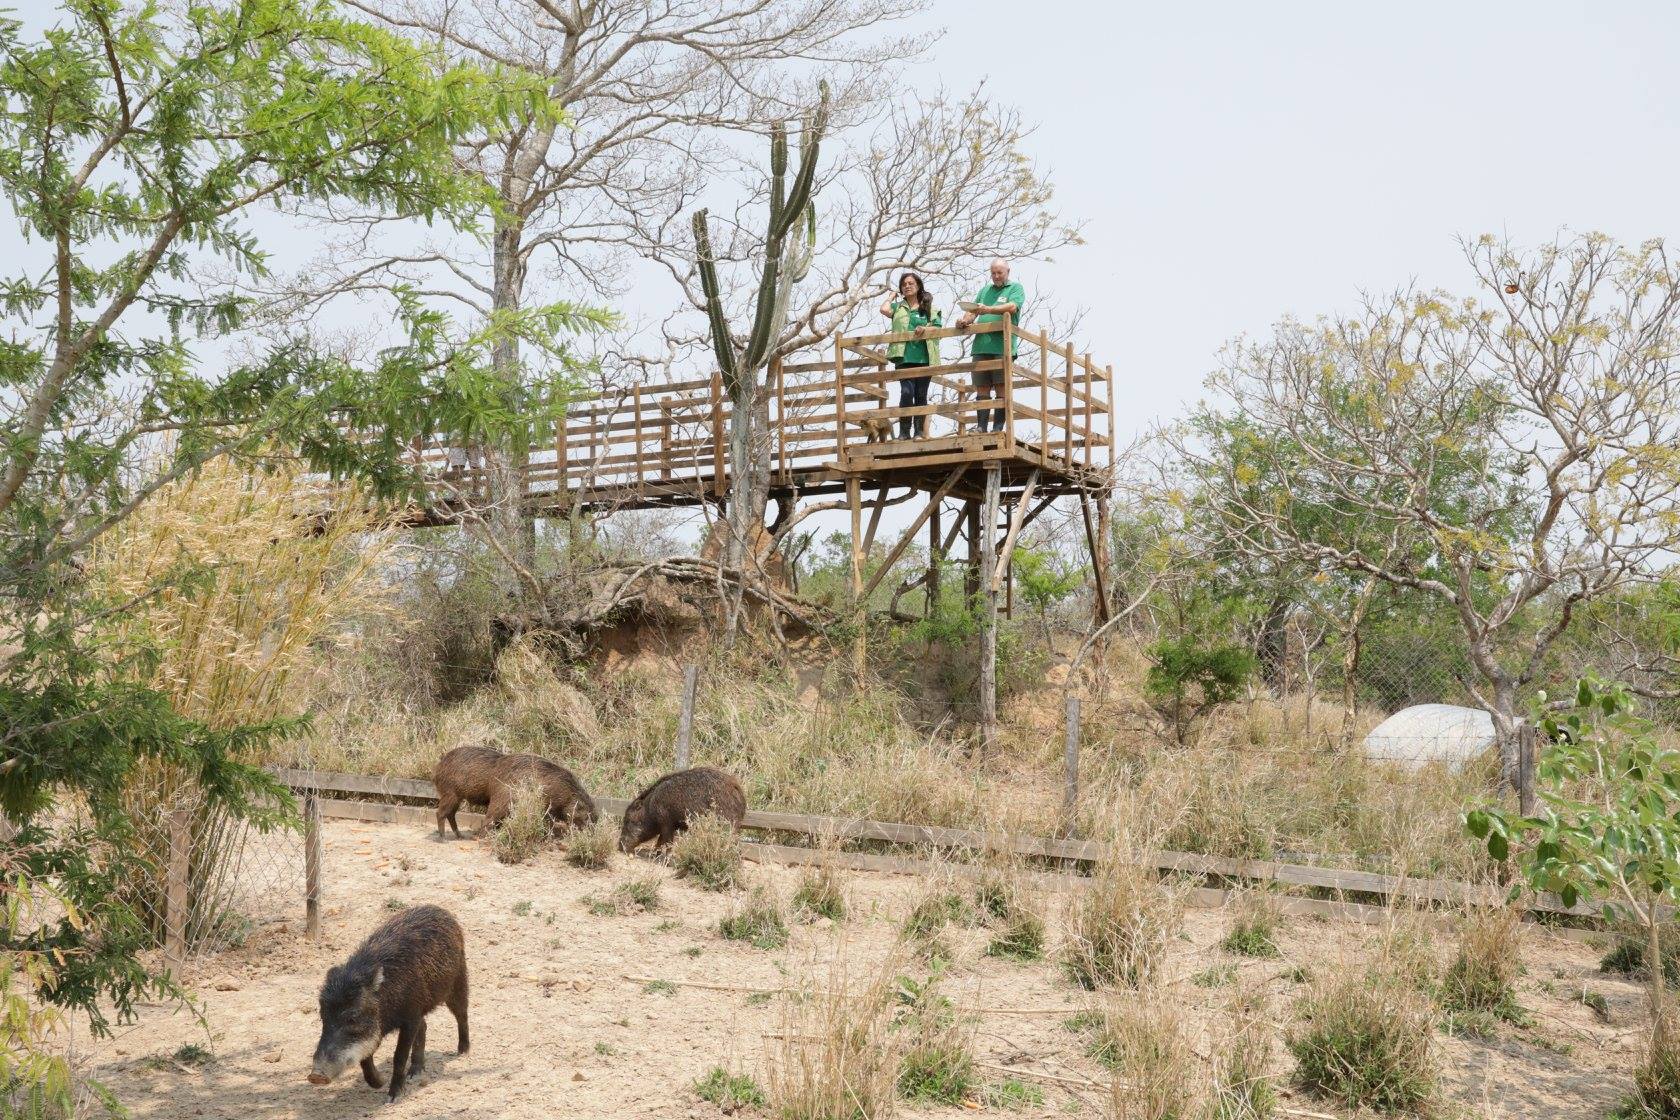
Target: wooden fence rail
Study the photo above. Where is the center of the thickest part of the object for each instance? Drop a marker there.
(815, 827)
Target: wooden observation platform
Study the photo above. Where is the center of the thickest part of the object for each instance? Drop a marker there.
(833, 429)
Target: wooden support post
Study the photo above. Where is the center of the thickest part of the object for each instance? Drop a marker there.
(1526, 740)
(720, 480)
(910, 533)
(1044, 400)
(685, 720)
(839, 405)
(641, 475)
(562, 487)
(1108, 398)
(932, 585)
(875, 509)
(988, 617)
(1067, 410)
(1016, 518)
(781, 420)
(1070, 754)
(1008, 382)
(175, 901)
(312, 864)
(854, 498)
(1097, 546)
(1088, 440)
(971, 577)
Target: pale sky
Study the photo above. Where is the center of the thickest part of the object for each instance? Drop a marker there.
(1237, 161)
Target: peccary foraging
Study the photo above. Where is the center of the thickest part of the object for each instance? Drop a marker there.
(568, 803)
(464, 774)
(405, 969)
(665, 808)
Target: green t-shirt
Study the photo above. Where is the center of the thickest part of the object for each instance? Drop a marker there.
(991, 345)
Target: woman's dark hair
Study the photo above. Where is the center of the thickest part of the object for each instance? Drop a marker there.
(925, 303)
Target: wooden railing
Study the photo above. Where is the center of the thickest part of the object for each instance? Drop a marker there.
(670, 440)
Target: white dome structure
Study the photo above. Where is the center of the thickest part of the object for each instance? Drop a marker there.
(1424, 733)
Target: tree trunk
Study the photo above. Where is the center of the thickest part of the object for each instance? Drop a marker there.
(1353, 647)
(739, 520)
(508, 464)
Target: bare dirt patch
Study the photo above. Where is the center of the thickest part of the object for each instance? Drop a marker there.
(558, 1026)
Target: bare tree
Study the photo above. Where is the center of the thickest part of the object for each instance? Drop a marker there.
(1512, 458)
(646, 87)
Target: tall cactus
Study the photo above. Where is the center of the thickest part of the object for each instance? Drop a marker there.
(787, 261)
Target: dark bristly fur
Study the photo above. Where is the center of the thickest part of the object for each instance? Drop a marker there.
(568, 803)
(406, 968)
(665, 808)
(463, 776)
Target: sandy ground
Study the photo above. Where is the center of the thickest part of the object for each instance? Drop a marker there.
(558, 1026)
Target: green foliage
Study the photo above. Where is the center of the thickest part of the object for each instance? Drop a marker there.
(1608, 828)
(1044, 580)
(1366, 1044)
(1253, 932)
(1189, 678)
(1630, 957)
(730, 1092)
(937, 1062)
(1012, 1095)
(135, 143)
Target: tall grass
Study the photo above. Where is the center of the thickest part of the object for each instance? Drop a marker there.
(241, 581)
(836, 1056)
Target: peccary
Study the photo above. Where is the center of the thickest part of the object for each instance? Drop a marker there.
(568, 803)
(464, 774)
(406, 968)
(665, 808)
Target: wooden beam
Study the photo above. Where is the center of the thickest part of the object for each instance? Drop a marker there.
(988, 621)
(876, 507)
(1015, 521)
(1098, 547)
(910, 533)
(854, 500)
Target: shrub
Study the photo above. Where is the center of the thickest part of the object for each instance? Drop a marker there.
(1627, 957)
(1021, 937)
(937, 1061)
(820, 894)
(1254, 927)
(758, 919)
(1482, 976)
(1118, 927)
(1657, 1080)
(708, 853)
(591, 848)
(1366, 1043)
(525, 829)
(934, 910)
(1013, 1095)
(730, 1092)
(632, 896)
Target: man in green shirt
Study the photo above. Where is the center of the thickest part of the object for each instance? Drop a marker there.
(1007, 299)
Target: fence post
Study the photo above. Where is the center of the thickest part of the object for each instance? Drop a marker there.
(1070, 796)
(312, 864)
(685, 721)
(175, 887)
(1526, 739)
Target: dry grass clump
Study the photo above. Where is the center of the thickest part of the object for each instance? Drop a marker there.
(631, 896)
(708, 854)
(759, 919)
(540, 706)
(821, 893)
(1482, 978)
(1254, 925)
(591, 848)
(1242, 1052)
(1117, 928)
(835, 1056)
(1006, 904)
(1367, 1042)
(1155, 1077)
(525, 829)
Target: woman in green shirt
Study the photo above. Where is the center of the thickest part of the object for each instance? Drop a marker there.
(912, 309)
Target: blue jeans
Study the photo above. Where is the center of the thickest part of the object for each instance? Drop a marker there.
(912, 393)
